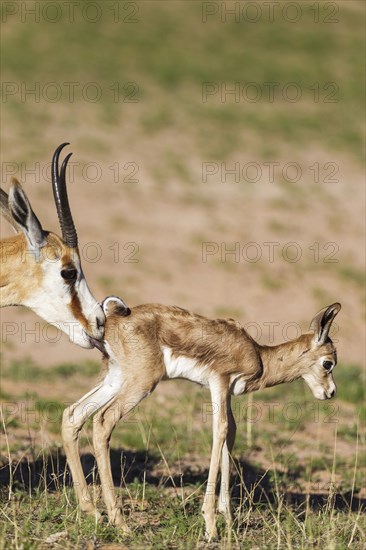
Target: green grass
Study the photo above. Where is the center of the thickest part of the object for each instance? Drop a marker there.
(172, 72)
(27, 370)
(352, 275)
(50, 411)
(171, 519)
(350, 383)
(107, 283)
(163, 451)
(169, 54)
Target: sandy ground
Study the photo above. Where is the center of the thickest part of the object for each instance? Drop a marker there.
(145, 241)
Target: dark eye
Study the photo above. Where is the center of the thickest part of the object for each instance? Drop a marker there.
(69, 274)
(327, 365)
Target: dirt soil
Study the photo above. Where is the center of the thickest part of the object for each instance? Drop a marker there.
(146, 243)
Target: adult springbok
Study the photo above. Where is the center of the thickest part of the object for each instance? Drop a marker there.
(153, 342)
(42, 271)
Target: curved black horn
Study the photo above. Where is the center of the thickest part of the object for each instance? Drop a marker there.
(68, 230)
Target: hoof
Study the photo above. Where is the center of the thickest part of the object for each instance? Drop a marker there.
(117, 519)
(228, 516)
(210, 524)
(211, 535)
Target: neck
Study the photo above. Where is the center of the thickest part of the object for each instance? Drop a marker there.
(279, 364)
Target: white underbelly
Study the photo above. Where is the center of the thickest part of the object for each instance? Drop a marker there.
(184, 367)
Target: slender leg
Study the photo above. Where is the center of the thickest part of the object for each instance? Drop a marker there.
(219, 392)
(74, 418)
(224, 497)
(104, 422)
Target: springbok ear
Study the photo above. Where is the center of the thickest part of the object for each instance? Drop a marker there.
(112, 305)
(24, 216)
(322, 322)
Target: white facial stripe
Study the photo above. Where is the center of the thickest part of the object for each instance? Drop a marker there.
(52, 301)
(89, 306)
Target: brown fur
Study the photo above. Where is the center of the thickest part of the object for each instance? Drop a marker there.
(21, 272)
(221, 344)
(210, 342)
(31, 272)
(221, 348)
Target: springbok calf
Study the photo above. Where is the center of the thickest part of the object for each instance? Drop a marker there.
(42, 271)
(153, 342)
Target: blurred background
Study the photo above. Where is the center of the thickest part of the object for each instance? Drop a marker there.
(218, 156)
(219, 166)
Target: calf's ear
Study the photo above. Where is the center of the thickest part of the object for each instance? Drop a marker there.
(322, 322)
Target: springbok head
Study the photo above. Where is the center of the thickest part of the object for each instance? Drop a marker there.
(43, 271)
(321, 356)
